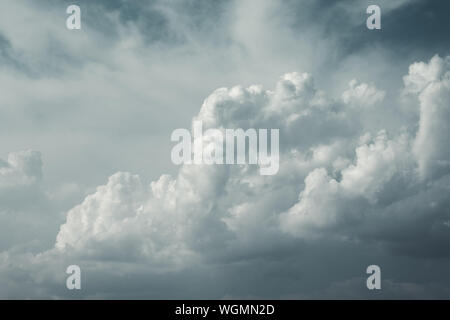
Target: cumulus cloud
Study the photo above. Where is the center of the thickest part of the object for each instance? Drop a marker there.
(360, 179)
(327, 201)
(177, 212)
(351, 184)
(126, 220)
(362, 94)
(431, 83)
(383, 166)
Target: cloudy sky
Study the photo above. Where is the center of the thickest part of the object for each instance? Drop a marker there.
(86, 176)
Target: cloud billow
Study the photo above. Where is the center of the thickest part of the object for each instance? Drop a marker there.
(353, 187)
(364, 167)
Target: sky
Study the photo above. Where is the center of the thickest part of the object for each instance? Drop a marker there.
(86, 176)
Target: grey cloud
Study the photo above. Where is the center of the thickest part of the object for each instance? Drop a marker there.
(363, 176)
(214, 215)
(30, 222)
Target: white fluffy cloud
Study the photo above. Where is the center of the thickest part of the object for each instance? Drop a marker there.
(383, 166)
(125, 219)
(342, 175)
(338, 180)
(208, 206)
(328, 201)
(431, 82)
(362, 94)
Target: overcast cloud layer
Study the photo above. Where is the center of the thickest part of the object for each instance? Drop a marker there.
(85, 170)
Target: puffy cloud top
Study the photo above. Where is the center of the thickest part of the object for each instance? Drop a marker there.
(344, 177)
(339, 180)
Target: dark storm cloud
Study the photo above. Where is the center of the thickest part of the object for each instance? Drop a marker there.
(420, 28)
(416, 29)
